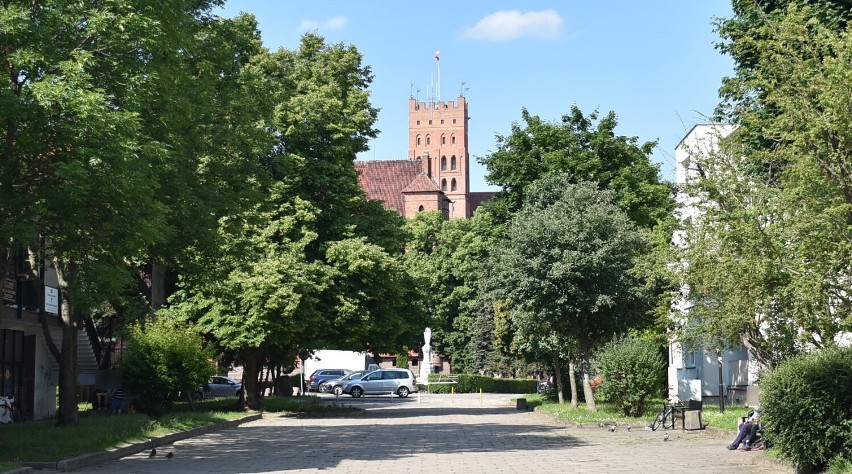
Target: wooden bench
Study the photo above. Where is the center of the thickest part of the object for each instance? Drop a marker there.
(689, 414)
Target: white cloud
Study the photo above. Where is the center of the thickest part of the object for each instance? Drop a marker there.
(334, 23)
(509, 25)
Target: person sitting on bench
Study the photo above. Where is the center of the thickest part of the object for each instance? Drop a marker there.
(748, 431)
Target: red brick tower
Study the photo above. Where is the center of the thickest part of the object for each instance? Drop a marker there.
(437, 135)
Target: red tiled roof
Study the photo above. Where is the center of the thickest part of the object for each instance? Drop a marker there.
(384, 180)
(422, 184)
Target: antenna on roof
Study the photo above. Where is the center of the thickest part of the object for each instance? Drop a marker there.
(464, 88)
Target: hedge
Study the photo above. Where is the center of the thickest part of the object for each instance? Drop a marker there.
(806, 407)
(472, 383)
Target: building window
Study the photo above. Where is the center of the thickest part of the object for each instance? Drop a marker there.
(430, 122)
(442, 121)
(443, 140)
(418, 141)
(454, 120)
(443, 163)
(453, 139)
(428, 140)
(453, 185)
(444, 185)
(418, 122)
(689, 360)
(453, 163)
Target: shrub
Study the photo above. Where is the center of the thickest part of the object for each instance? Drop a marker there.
(472, 383)
(163, 358)
(807, 408)
(632, 371)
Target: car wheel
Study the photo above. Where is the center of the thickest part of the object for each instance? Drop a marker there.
(198, 395)
(337, 390)
(402, 392)
(356, 392)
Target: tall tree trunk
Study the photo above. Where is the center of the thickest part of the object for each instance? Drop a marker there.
(557, 370)
(251, 370)
(587, 387)
(572, 369)
(67, 414)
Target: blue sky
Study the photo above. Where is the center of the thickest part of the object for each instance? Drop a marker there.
(652, 62)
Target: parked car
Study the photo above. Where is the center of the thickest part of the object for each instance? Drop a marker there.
(335, 386)
(219, 386)
(321, 375)
(382, 382)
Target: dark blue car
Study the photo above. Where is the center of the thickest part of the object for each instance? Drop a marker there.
(321, 375)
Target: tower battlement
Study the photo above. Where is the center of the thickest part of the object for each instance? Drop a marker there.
(439, 105)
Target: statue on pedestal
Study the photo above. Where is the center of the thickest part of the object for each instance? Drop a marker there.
(426, 365)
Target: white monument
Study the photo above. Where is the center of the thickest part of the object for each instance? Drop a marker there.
(426, 365)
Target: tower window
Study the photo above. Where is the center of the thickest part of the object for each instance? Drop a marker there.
(453, 139)
(428, 141)
(444, 185)
(418, 141)
(430, 122)
(443, 163)
(418, 122)
(453, 164)
(442, 121)
(453, 185)
(443, 140)
(454, 120)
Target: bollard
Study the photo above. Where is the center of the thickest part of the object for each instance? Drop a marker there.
(452, 394)
(480, 396)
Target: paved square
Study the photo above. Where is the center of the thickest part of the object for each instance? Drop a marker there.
(441, 434)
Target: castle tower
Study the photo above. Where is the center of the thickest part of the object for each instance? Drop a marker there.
(437, 135)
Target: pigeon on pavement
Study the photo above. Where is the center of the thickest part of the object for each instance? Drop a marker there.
(153, 453)
(169, 455)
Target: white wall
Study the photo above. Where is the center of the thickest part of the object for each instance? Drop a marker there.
(332, 359)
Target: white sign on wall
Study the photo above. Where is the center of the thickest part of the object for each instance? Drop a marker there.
(51, 300)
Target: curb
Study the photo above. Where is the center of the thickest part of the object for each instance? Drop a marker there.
(90, 459)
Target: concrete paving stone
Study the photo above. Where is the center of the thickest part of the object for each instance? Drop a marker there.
(442, 434)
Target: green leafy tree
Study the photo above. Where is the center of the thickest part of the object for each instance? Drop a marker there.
(76, 159)
(767, 263)
(585, 149)
(314, 264)
(162, 359)
(447, 257)
(564, 270)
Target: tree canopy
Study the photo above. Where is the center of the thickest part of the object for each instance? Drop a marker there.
(564, 271)
(585, 149)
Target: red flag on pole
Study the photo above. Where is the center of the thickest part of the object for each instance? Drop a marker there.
(437, 55)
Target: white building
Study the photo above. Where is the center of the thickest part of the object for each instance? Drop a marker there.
(699, 374)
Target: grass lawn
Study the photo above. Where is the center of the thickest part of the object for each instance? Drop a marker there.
(43, 441)
(607, 413)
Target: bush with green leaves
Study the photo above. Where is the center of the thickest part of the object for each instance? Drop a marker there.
(806, 408)
(472, 383)
(163, 359)
(632, 370)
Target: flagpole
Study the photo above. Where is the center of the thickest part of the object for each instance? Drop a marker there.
(438, 59)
